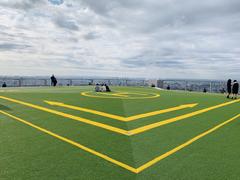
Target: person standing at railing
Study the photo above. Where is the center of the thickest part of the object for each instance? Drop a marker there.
(53, 81)
(235, 89)
(4, 85)
(204, 90)
(229, 88)
(168, 87)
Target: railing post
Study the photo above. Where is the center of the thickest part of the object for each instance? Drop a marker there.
(210, 87)
(186, 83)
(20, 82)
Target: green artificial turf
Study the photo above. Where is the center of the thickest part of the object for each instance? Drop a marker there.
(26, 153)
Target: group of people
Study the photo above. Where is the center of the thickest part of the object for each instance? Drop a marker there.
(53, 81)
(102, 88)
(232, 89)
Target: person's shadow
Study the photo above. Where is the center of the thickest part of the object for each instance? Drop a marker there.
(2, 107)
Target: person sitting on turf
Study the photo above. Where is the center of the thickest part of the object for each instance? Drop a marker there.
(229, 88)
(97, 88)
(107, 88)
(102, 88)
(235, 89)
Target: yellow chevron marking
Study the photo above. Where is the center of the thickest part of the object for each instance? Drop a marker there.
(116, 162)
(178, 118)
(118, 130)
(121, 118)
(84, 120)
(69, 141)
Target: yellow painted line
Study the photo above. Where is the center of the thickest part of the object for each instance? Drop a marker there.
(121, 118)
(110, 94)
(84, 120)
(136, 93)
(116, 162)
(121, 94)
(178, 148)
(91, 151)
(112, 116)
(87, 94)
(178, 118)
(154, 113)
(131, 93)
(118, 130)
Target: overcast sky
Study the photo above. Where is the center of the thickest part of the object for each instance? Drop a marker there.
(121, 38)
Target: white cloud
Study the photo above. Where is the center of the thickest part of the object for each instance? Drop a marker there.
(148, 38)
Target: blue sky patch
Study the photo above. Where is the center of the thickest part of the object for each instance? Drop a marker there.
(56, 2)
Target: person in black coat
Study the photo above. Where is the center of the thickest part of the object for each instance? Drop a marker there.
(4, 85)
(229, 87)
(53, 81)
(235, 89)
(107, 88)
(205, 90)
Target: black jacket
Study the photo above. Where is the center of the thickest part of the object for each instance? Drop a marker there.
(235, 88)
